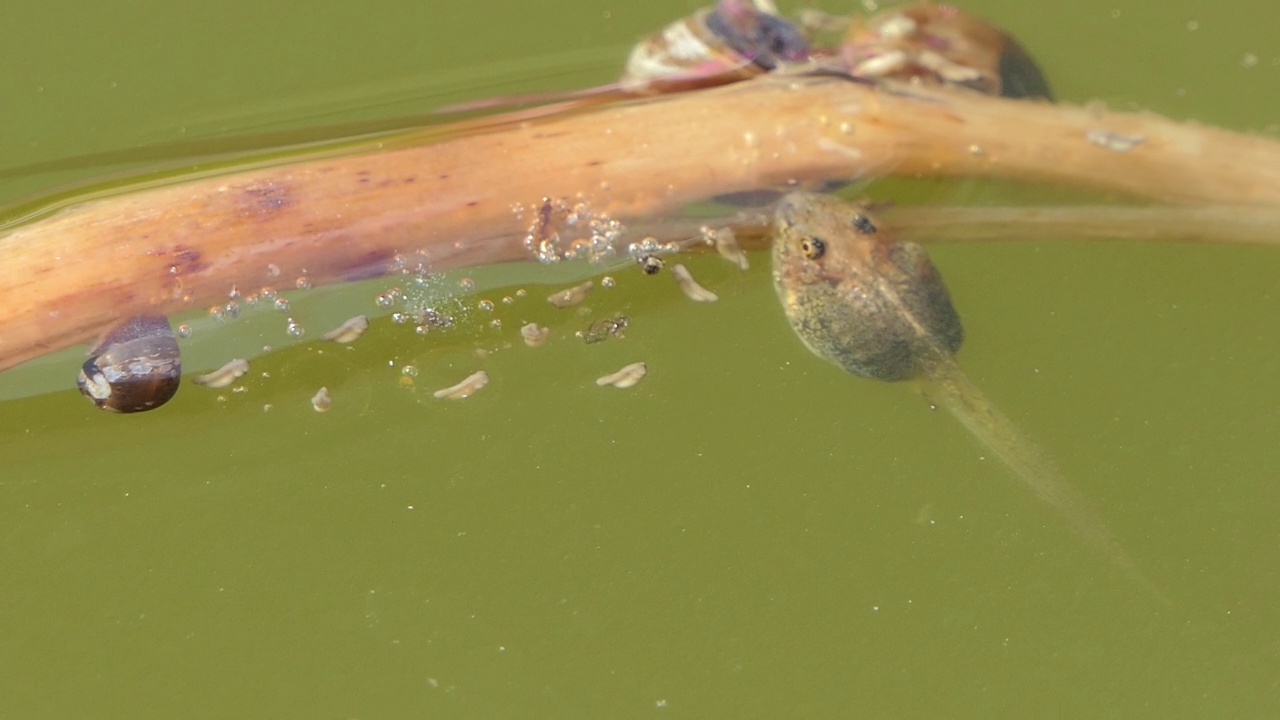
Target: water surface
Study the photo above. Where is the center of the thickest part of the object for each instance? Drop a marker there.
(749, 532)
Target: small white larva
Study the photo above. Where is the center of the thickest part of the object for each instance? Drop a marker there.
(727, 245)
(570, 296)
(469, 385)
(349, 331)
(224, 375)
(626, 377)
(534, 334)
(321, 402)
(691, 288)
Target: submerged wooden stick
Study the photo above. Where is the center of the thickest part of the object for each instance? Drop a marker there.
(473, 199)
(1227, 224)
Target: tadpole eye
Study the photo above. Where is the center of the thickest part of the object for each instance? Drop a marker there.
(813, 247)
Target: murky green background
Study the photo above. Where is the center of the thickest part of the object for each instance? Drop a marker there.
(747, 533)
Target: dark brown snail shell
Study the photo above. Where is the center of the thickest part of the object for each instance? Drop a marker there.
(134, 368)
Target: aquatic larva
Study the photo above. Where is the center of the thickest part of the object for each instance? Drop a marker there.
(469, 385)
(726, 244)
(690, 287)
(570, 296)
(135, 367)
(321, 402)
(224, 375)
(626, 377)
(349, 331)
(534, 334)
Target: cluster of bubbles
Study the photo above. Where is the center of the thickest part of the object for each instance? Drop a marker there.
(266, 296)
(426, 299)
(651, 246)
(563, 230)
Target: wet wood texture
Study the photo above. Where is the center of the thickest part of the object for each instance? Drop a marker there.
(163, 250)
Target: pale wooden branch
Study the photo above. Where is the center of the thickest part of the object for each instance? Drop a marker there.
(167, 249)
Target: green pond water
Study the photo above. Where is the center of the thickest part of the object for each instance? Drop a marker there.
(749, 532)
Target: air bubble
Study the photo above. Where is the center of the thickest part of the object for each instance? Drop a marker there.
(385, 300)
(282, 304)
(507, 300)
(467, 283)
(294, 329)
(232, 309)
(485, 305)
(607, 281)
(495, 323)
(184, 330)
(409, 371)
(302, 283)
(217, 313)
(399, 318)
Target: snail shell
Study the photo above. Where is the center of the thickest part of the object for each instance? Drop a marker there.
(734, 40)
(135, 367)
(941, 44)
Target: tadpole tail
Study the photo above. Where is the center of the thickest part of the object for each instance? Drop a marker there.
(952, 389)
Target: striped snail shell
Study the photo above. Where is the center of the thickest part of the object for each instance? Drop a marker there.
(135, 367)
(736, 38)
(940, 44)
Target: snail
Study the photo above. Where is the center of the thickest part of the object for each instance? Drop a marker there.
(734, 40)
(134, 368)
(941, 44)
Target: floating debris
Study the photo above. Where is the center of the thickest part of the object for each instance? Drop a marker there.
(224, 375)
(570, 296)
(534, 334)
(691, 288)
(863, 224)
(471, 384)
(650, 264)
(726, 244)
(136, 366)
(1114, 141)
(349, 331)
(626, 377)
(321, 402)
(604, 329)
